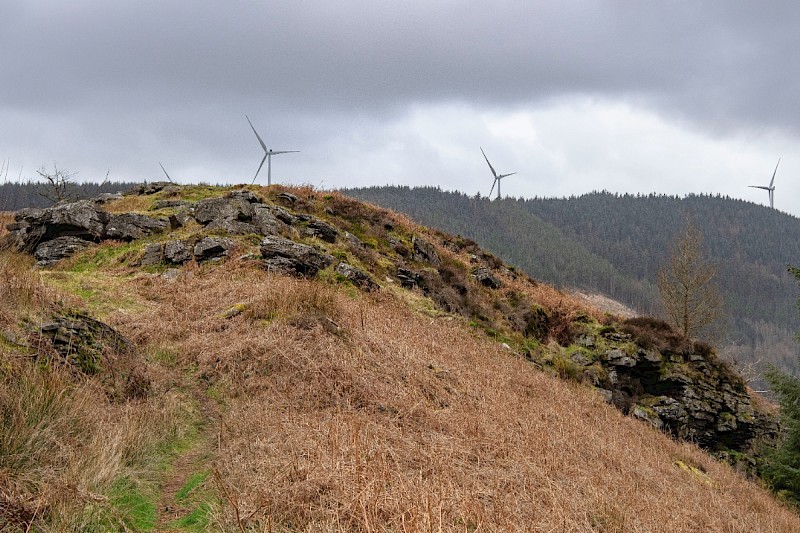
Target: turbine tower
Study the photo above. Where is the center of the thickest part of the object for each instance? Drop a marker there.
(771, 187)
(267, 155)
(497, 177)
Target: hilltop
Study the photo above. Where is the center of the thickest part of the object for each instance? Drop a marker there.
(283, 359)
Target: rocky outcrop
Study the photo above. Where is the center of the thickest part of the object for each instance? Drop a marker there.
(49, 252)
(132, 226)
(356, 276)
(286, 256)
(651, 373)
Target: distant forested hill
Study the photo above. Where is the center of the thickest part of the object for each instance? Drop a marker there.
(14, 195)
(615, 244)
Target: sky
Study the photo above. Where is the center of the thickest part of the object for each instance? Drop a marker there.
(671, 97)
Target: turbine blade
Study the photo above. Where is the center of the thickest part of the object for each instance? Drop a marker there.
(505, 175)
(264, 146)
(275, 152)
(259, 168)
(490, 165)
(493, 184)
(759, 187)
(165, 171)
(776, 171)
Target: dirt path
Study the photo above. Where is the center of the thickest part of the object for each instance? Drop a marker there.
(192, 462)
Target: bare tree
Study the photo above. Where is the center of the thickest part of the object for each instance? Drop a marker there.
(687, 284)
(57, 185)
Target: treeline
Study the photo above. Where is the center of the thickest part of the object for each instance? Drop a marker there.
(17, 195)
(615, 244)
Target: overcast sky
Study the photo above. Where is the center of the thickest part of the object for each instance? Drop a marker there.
(673, 97)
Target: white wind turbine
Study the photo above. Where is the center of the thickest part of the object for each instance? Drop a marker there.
(267, 155)
(771, 187)
(497, 177)
(165, 172)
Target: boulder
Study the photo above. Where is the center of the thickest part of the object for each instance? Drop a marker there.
(220, 209)
(177, 252)
(265, 220)
(485, 277)
(286, 198)
(132, 226)
(357, 276)
(153, 254)
(425, 251)
(287, 256)
(59, 248)
(408, 278)
(322, 230)
(77, 219)
(212, 248)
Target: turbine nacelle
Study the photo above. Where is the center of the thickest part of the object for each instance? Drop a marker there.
(497, 177)
(771, 187)
(267, 155)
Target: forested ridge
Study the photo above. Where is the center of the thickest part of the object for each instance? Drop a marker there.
(17, 195)
(614, 244)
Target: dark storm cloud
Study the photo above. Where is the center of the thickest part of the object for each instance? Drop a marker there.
(97, 84)
(727, 61)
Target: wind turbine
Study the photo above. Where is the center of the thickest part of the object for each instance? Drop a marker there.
(771, 187)
(497, 177)
(267, 155)
(165, 172)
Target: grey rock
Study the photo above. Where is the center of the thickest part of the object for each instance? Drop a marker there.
(618, 357)
(176, 252)
(149, 188)
(164, 204)
(49, 252)
(322, 230)
(647, 415)
(285, 255)
(357, 276)
(485, 277)
(217, 209)
(408, 278)
(178, 220)
(265, 220)
(286, 198)
(132, 226)
(212, 247)
(425, 251)
(153, 254)
(244, 194)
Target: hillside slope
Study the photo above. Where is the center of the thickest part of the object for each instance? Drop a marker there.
(615, 244)
(227, 394)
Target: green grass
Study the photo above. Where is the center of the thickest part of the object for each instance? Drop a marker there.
(192, 483)
(197, 520)
(135, 508)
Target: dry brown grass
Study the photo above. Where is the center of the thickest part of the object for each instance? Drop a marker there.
(394, 421)
(5, 219)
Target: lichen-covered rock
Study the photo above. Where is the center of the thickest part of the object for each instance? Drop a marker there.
(77, 219)
(177, 252)
(212, 248)
(287, 256)
(132, 226)
(153, 254)
(425, 251)
(321, 230)
(59, 248)
(222, 209)
(408, 278)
